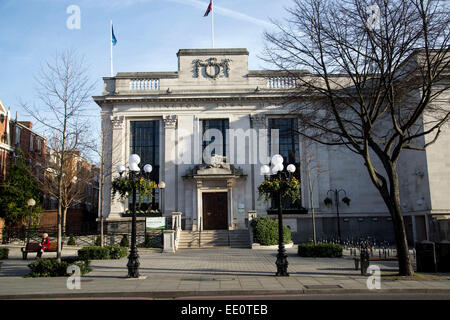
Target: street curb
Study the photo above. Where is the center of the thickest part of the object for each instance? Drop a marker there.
(217, 293)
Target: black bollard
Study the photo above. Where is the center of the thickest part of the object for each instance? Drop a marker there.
(364, 258)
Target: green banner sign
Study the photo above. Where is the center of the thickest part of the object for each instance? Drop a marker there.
(155, 223)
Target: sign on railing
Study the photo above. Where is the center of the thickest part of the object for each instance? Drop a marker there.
(155, 223)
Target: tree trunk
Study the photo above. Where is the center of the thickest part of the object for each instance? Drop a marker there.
(59, 235)
(102, 241)
(312, 208)
(392, 201)
(64, 220)
(404, 259)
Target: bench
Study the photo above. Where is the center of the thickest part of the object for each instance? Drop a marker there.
(34, 247)
(357, 259)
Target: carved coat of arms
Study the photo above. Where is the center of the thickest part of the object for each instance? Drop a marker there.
(212, 67)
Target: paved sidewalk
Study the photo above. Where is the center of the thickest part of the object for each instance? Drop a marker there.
(208, 272)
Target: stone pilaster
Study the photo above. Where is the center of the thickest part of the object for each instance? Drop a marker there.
(198, 208)
(117, 157)
(231, 218)
(106, 145)
(258, 122)
(170, 124)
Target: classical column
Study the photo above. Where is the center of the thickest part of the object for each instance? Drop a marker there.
(258, 122)
(170, 124)
(117, 157)
(427, 226)
(231, 220)
(197, 215)
(414, 228)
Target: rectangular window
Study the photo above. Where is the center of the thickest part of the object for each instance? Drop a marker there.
(38, 171)
(39, 145)
(31, 142)
(145, 143)
(290, 150)
(220, 124)
(18, 137)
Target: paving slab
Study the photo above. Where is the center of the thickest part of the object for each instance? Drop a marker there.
(207, 272)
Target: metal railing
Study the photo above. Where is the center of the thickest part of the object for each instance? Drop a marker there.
(86, 235)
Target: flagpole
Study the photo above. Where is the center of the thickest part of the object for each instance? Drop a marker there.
(212, 22)
(111, 44)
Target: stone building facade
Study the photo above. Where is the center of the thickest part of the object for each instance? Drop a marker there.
(163, 116)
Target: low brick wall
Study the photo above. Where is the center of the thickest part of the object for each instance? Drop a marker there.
(74, 219)
(2, 224)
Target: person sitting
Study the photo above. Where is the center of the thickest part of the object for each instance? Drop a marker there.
(44, 245)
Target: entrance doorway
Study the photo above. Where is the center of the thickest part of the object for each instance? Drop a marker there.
(215, 211)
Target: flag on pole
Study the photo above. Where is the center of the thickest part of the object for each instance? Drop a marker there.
(113, 37)
(112, 44)
(209, 9)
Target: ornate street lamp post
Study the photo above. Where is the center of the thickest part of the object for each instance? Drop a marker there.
(134, 175)
(31, 203)
(277, 169)
(336, 199)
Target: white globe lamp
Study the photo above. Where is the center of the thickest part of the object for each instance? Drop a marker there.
(134, 167)
(265, 170)
(148, 168)
(134, 158)
(277, 159)
(121, 168)
(291, 168)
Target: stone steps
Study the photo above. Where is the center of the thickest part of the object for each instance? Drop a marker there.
(214, 238)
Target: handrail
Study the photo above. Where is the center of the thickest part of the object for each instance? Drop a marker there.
(200, 228)
(177, 227)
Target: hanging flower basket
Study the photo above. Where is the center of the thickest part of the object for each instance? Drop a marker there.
(328, 202)
(288, 188)
(346, 200)
(124, 187)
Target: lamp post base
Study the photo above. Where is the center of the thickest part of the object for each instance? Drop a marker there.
(282, 263)
(133, 264)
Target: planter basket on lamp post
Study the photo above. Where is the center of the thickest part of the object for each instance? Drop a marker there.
(136, 182)
(278, 186)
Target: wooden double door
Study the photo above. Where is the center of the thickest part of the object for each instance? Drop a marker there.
(215, 210)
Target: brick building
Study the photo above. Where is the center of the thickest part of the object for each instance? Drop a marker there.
(82, 188)
(5, 145)
(31, 143)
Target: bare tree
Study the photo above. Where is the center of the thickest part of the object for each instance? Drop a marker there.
(106, 169)
(313, 170)
(76, 176)
(374, 72)
(63, 90)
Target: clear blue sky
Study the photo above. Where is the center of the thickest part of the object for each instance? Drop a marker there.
(149, 34)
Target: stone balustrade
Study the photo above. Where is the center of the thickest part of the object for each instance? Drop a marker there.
(281, 83)
(162, 83)
(144, 84)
